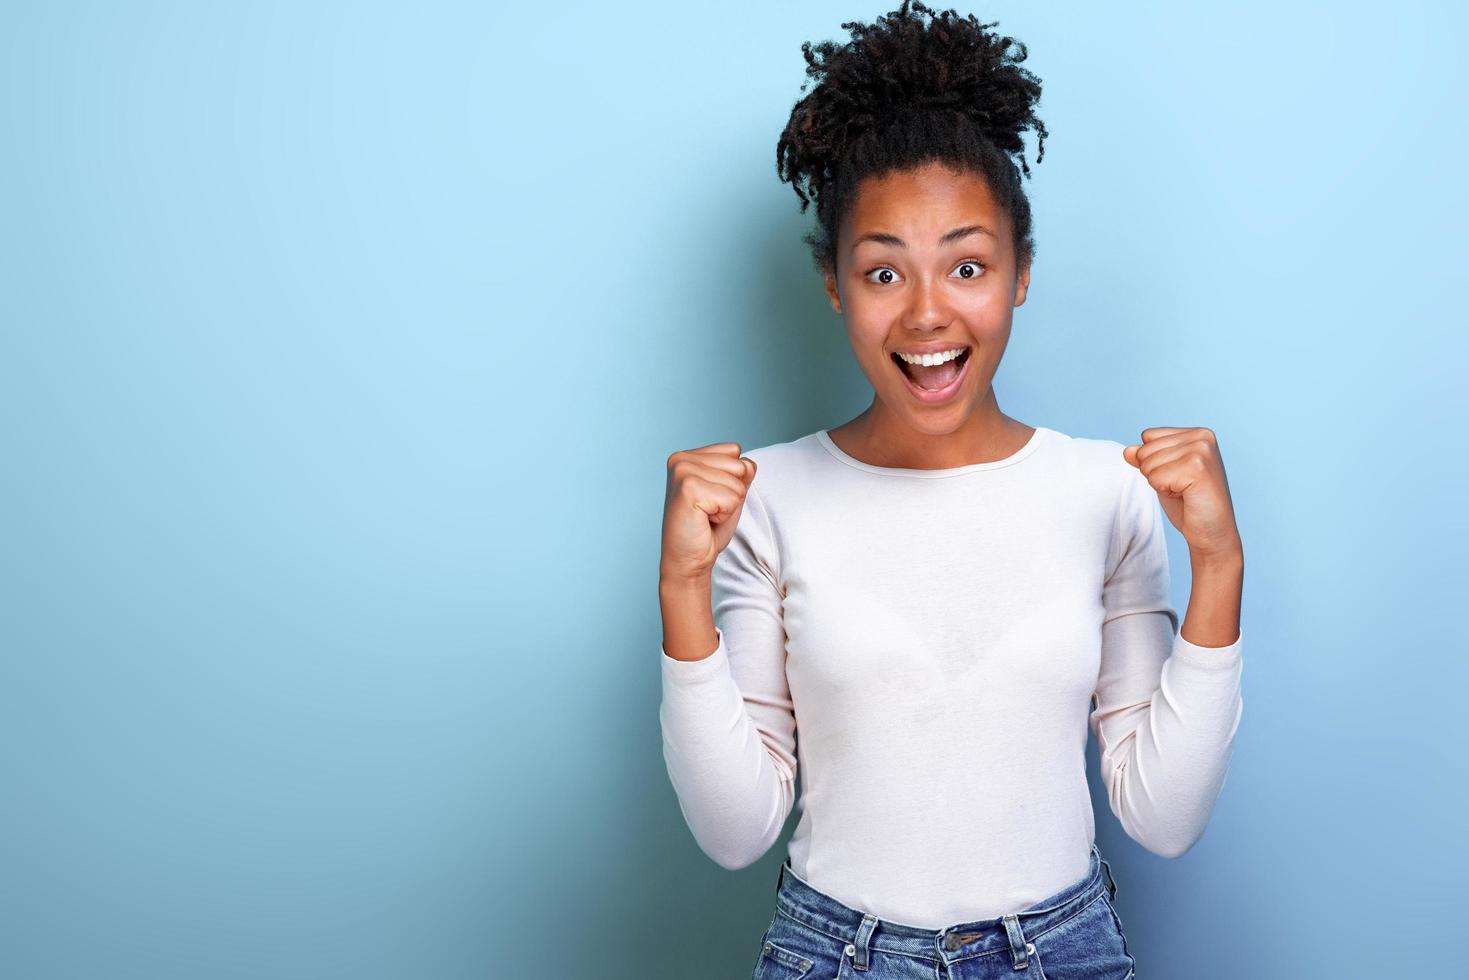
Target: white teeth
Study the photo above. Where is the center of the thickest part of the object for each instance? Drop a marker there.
(929, 360)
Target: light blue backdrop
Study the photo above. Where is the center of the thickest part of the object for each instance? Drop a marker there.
(343, 348)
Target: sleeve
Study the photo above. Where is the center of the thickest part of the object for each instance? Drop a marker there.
(1166, 710)
(729, 726)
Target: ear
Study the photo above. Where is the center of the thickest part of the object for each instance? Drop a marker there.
(829, 281)
(1022, 284)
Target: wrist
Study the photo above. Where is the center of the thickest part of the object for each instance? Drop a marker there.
(1226, 559)
(682, 581)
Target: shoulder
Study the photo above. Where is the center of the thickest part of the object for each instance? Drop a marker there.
(785, 467)
(783, 454)
(1100, 461)
(1121, 496)
(1096, 468)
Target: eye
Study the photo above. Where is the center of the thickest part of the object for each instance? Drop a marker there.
(968, 269)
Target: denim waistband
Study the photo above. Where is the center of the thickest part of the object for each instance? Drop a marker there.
(803, 902)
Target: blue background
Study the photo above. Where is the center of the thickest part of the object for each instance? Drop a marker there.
(343, 348)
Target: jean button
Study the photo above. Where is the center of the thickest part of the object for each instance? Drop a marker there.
(951, 942)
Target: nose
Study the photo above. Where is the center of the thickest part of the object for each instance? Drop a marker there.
(928, 311)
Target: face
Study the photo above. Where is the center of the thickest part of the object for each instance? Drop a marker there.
(925, 263)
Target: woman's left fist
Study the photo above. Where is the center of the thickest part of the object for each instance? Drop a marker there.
(1184, 466)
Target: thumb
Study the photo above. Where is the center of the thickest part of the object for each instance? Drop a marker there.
(1129, 453)
(749, 470)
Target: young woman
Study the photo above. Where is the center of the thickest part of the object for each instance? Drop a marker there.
(938, 598)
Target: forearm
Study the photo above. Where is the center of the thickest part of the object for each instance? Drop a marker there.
(1213, 615)
(1165, 756)
(688, 619)
(734, 788)
(1179, 759)
(735, 795)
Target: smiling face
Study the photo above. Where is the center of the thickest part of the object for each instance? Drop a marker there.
(925, 263)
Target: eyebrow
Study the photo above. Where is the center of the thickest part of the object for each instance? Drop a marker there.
(883, 238)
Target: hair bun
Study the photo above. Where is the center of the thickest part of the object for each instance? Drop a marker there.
(901, 63)
(915, 84)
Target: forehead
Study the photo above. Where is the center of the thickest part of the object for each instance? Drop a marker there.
(932, 198)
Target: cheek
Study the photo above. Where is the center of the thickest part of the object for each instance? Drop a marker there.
(867, 327)
(988, 314)
(989, 302)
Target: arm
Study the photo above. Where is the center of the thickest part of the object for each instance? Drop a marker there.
(1167, 705)
(729, 727)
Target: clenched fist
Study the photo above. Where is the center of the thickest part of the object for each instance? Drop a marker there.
(705, 496)
(1185, 467)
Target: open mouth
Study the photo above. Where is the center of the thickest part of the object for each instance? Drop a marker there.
(938, 381)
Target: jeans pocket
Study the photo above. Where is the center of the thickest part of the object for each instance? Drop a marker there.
(1086, 946)
(1117, 923)
(792, 950)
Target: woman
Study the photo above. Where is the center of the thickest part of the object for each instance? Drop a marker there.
(938, 598)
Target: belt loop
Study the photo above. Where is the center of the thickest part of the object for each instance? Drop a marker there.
(1019, 948)
(1107, 873)
(858, 948)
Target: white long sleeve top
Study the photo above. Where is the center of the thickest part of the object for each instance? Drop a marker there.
(927, 648)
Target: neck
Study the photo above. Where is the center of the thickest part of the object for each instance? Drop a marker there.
(881, 438)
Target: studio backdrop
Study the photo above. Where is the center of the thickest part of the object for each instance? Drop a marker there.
(342, 351)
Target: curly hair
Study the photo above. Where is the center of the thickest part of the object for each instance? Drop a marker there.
(902, 92)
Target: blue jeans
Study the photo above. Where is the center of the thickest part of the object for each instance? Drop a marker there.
(1074, 933)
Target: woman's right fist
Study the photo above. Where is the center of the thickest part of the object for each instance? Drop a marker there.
(705, 495)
